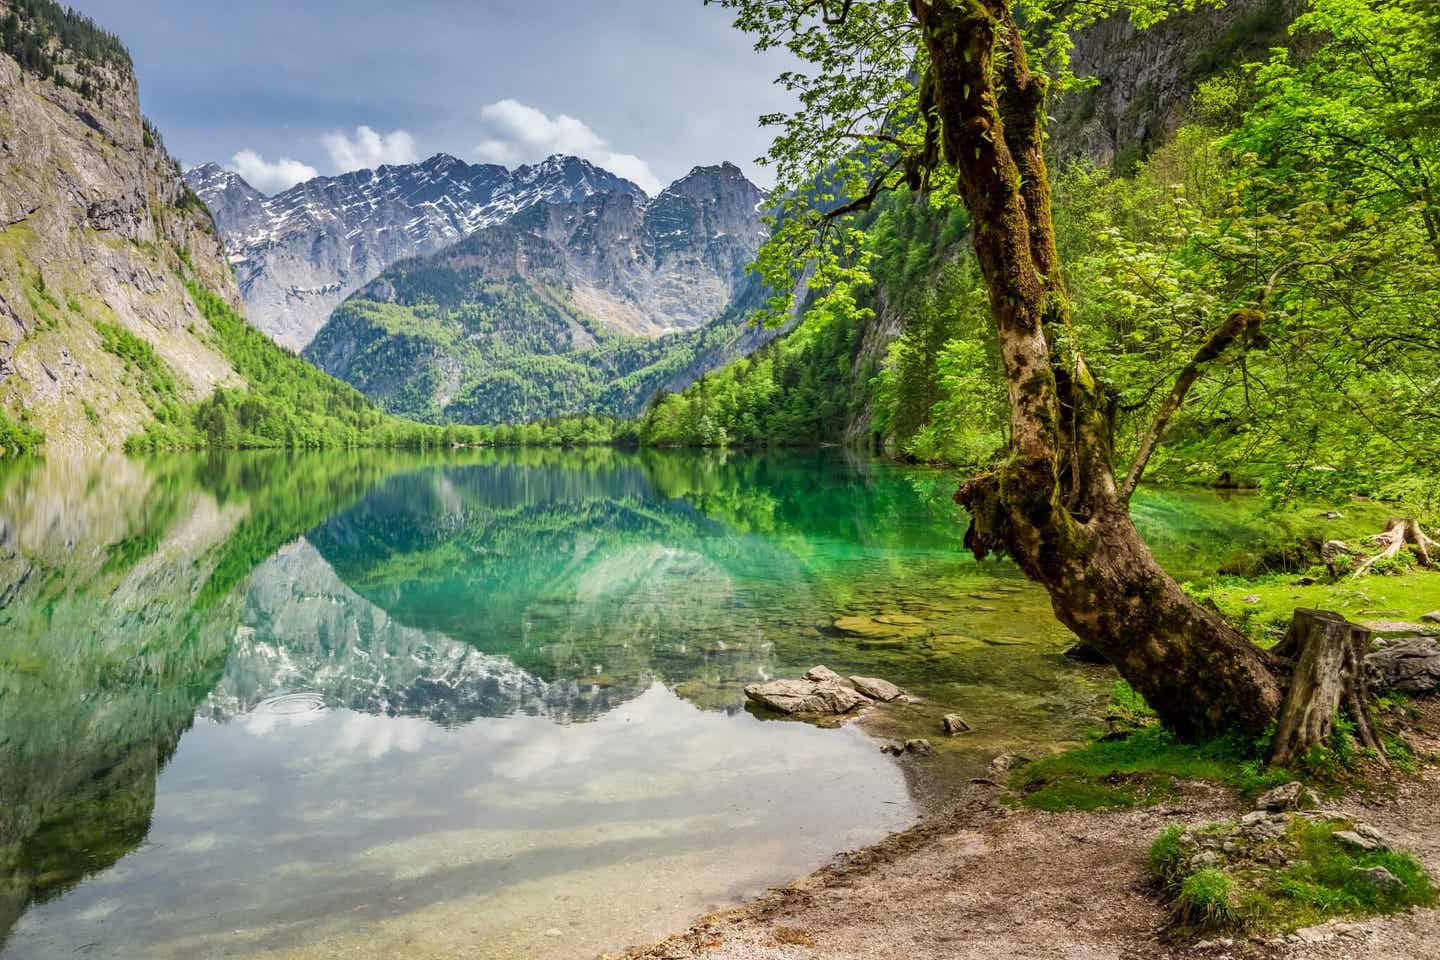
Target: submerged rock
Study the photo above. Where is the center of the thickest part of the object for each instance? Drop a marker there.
(899, 620)
(921, 746)
(879, 628)
(876, 689)
(1409, 666)
(1432, 617)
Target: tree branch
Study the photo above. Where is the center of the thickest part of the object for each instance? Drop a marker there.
(1242, 324)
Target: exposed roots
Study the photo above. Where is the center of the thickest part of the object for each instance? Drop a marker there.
(1399, 533)
(1328, 675)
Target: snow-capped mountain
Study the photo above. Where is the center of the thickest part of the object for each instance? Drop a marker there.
(299, 253)
(612, 296)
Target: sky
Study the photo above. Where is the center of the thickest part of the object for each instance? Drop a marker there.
(283, 90)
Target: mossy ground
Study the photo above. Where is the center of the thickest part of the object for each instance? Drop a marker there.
(1299, 878)
(1139, 768)
(1263, 607)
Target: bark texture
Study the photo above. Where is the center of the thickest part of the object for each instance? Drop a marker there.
(1055, 506)
(1328, 654)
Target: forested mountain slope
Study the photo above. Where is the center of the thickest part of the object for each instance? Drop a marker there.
(883, 369)
(301, 252)
(558, 310)
(97, 331)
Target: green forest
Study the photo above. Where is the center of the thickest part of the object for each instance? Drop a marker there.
(1304, 182)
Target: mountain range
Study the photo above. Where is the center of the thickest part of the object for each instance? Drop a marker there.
(455, 292)
(588, 305)
(298, 254)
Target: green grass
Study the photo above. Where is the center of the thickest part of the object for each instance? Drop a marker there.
(1167, 857)
(17, 439)
(1272, 600)
(1204, 901)
(1141, 767)
(1319, 878)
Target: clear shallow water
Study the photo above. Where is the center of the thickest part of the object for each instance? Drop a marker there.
(481, 704)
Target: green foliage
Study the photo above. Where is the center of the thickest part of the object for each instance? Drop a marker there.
(42, 36)
(1167, 858)
(141, 357)
(1304, 189)
(1318, 878)
(1204, 902)
(18, 439)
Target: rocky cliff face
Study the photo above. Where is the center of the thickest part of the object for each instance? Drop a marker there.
(578, 307)
(646, 268)
(300, 253)
(1145, 77)
(95, 223)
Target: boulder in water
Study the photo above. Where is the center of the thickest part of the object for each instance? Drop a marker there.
(823, 674)
(805, 696)
(877, 689)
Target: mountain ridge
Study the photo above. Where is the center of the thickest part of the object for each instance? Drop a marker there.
(300, 252)
(567, 307)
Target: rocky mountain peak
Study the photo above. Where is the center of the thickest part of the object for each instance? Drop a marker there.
(301, 252)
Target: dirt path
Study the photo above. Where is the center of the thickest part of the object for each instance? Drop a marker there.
(986, 883)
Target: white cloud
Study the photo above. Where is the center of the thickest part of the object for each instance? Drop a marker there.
(270, 177)
(516, 133)
(369, 149)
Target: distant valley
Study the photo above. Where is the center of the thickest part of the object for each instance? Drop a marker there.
(452, 292)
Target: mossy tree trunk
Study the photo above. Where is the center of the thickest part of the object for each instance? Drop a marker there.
(1055, 506)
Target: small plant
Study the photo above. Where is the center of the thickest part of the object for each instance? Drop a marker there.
(1167, 857)
(1280, 875)
(1204, 902)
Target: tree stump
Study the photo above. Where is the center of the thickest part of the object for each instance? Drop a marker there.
(1328, 674)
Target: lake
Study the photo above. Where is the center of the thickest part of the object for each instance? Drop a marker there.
(486, 704)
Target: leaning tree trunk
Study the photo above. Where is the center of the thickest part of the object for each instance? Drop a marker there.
(1055, 506)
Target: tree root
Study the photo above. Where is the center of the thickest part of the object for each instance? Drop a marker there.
(1399, 533)
(1328, 675)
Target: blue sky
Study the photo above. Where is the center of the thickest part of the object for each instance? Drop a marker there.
(281, 90)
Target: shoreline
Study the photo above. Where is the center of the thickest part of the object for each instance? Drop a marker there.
(985, 880)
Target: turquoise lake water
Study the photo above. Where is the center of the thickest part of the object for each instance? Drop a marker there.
(486, 704)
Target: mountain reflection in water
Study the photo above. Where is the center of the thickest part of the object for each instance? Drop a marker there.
(259, 702)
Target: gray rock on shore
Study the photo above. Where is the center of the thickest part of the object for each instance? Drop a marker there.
(1409, 666)
(954, 725)
(1291, 796)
